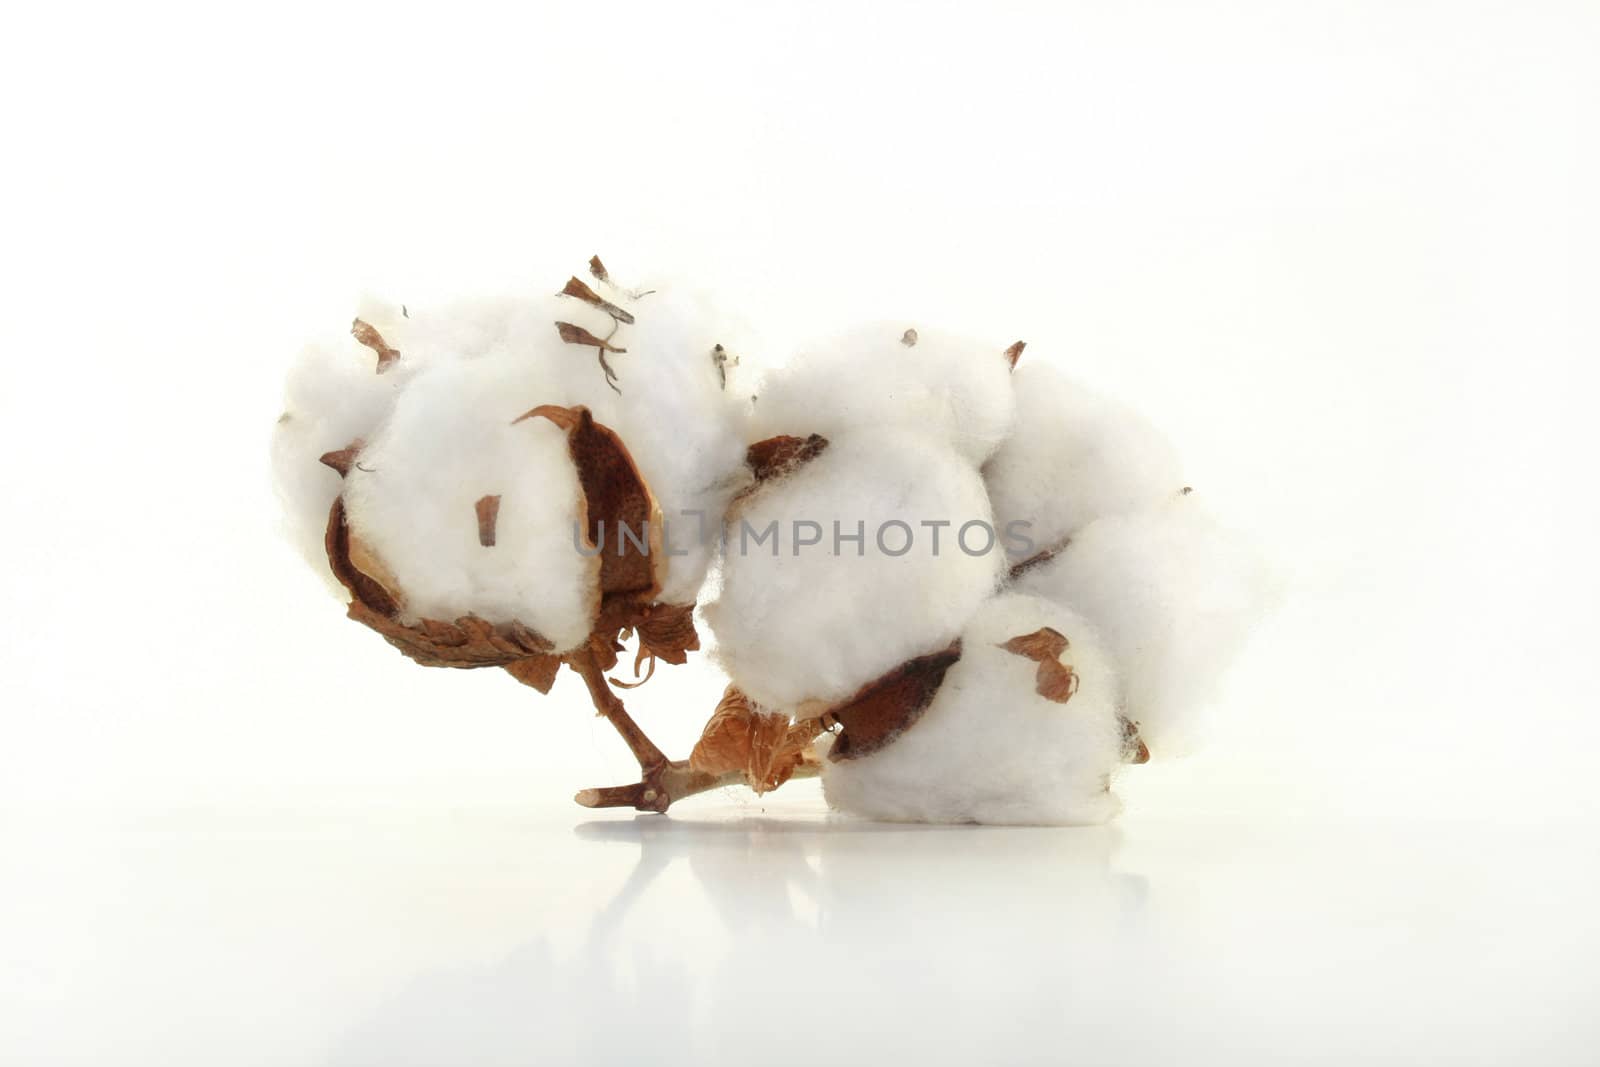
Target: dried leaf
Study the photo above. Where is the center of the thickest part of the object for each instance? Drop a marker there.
(387, 355)
(579, 289)
(598, 269)
(1014, 353)
(537, 671)
(615, 496)
(777, 456)
(363, 588)
(884, 709)
(764, 746)
(1134, 750)
(1054, 680)
(577, 335)
(488, 508)
(342, 459)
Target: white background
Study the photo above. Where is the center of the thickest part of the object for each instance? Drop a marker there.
(1344, 253)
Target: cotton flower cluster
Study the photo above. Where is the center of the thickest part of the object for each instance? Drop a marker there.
(956, 588)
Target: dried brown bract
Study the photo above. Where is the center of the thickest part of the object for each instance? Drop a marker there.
(1036, 560)
(617, 504)
(488, 510)
(884, 709)
(1055, 680)
(777, 456)
(364, 332)
(1134, 750)
(765, 747)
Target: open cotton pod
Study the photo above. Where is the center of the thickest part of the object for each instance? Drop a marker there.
(955, 390)
(1073, 456)
(460, 507)
(1018, 722)
(661, 368)
(1173, 595)
(853, 555)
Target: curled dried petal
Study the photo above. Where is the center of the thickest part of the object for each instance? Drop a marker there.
(777, 456)
(577, 335)
(342, 459)
(1054, 680)
(579, 289)
(387, 354)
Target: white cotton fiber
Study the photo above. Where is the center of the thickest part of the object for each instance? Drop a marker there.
(956, 390)
(412, 500)
(809, 624)
(990, 748)
(1173, 595)
(1073, 456)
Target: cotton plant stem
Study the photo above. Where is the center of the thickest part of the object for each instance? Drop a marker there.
(610, 705)
(661, 781)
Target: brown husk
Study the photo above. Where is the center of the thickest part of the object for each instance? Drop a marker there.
(884, 709)
(763, 746)
(777, 456)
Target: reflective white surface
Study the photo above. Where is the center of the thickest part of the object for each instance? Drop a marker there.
(775, 934)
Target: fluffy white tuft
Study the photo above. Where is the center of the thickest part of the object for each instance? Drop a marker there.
(954, 389)
(1173, 595)
(809, 624)
(990, 748)
(1073, 457)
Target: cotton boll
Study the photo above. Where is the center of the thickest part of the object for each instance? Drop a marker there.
(797, 623)
(954, 389)
(990, 748)
(413, 494)
(1073, 456)
(339, 391)
(1174, 595)
(665, 397)
(671, 404)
